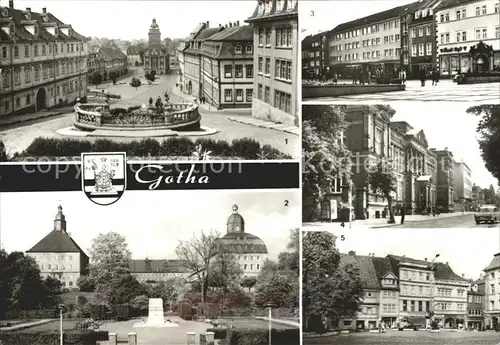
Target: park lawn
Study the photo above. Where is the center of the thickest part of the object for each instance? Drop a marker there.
(52, 326)
(71, 297)
(251, 323)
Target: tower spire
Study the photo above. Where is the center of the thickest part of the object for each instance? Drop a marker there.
(60, 220)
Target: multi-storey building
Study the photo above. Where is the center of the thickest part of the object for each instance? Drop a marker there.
(133, 56)
(226, 67)
(156, 56)
(475, 305)
(492, 293)
(468, 36)
(249, 251)
(462, 185)
(276, 57)
(94, 63)
(314, 55)
(154, 271)
(59, 256)
(112, 59)
(389, 291)
(445, 191)
(43, 61)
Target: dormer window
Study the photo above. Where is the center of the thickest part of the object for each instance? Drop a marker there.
(417, 15)
(292, 4)
(12, 29)
(267, 8)
(238, 49)
(35, 28)
(249, 49)
(5, 13)
(279, 5)
(28, 16)
(261, 8)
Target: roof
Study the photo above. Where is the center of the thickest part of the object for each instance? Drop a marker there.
(242, 243)
(112, 53)
(160, 266)
(56, 242)
(235, 33)
(494, 264)
(409, 260)
(382, 266)
(377, 17)
(444, 272)
(274, 14)
(367, 271)
(206, 33)
(452, 3)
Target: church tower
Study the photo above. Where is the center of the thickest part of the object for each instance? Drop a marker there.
(60, 220)
(154, 35)
(235, 222)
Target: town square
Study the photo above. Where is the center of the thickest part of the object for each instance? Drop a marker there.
(229, 275)
(198, 85)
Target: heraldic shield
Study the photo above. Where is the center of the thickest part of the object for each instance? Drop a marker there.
(104, 176)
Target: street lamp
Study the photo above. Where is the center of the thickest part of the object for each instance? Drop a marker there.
(61, 308)
(269, 307)
(431, 304)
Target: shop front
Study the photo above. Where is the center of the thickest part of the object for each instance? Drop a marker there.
(479, 58)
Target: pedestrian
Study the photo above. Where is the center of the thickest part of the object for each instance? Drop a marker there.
(423, 75)
(404, 76)
(335, 78)
(150, 100)
(403, 213)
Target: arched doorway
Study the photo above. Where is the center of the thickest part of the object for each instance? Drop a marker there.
(482, 64)
(190, 87)
(41, 99)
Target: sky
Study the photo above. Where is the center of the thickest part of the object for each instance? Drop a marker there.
(130, 19)
(450, 127)
(318, 16)
(467, 251)
(153, 222)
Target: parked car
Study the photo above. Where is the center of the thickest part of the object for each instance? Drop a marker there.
(487, 214)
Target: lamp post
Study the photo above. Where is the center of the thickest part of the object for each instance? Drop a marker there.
(61, 307)
(269, 307)
(431, 302)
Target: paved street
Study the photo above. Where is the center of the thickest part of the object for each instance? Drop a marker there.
(445, 91)
(17, 137)
(445, 220)
(410, 338)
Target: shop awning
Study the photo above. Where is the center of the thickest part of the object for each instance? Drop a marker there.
(416, 320)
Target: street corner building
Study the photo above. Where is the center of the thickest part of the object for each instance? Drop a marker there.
(43, 61)
(156, 56)
(427, 178)
(249, 250)
(453, 36)
(402, 292)
(489, 288)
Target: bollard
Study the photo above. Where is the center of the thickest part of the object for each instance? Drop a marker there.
(112, 338)
(203, 339)
(191, 338)
(132, 338)
(210, 338)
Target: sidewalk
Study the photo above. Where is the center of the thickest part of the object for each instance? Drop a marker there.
(278, 321)
(413, 218)
(245, 118)
(15, 119)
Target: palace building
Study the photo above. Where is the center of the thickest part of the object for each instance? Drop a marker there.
(154, 271)
(249, 250)
(156, 57)
(59, 256)
(43, 61)
(276, 61)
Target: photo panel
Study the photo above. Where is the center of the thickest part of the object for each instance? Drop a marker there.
(183, 82)
(400, 287)
(400, 50)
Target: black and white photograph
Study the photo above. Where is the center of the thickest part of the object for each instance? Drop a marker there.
(398, 50)
(165, 267)
(402, 287)
(174, 80)
(401, 165)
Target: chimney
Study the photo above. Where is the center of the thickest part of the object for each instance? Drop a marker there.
(208, 24)
(425, 259)
(352, 253)
(446, 263)
(230, 24)
(225, 26)
(220, 25)
(44, 10)
(463, 275)
(237, 23)
(28, 9)
(11, 4)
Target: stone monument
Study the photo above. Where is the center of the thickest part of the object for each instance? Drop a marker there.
(155, 315)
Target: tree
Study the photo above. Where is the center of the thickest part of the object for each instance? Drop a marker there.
(110, 258)
(274, 287)
(324, 156)
(140, 303)
(85, 284)
(329, 288)
(151, 76)
(53, 285)
(488, 129)
(96, 79)
(166, 290)
(4, 157)
(383, 180)
(113, 75)
(197, 253)
(248, 282)
(125, 288)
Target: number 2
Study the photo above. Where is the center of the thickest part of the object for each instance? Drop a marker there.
(286, 202)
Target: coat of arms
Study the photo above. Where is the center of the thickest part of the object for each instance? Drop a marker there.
(103, 176)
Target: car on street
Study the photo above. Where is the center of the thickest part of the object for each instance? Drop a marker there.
(487, 214)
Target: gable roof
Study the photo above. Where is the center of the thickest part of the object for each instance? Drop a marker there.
(112, 53)
(494, 264)
(452, 3)
(206, 33)
(366, 268)
(235, 33)
(160, 266)
(56, 242)
(444, 272)
(382, 267)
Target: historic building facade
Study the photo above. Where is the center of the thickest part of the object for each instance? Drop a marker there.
(314, 55)
(492, 293)
(59, 256)
(156, 56)
(475, 305)
(462, 185)
(43, 61)
(154, 271)
(276, 59)
(468, 36)
(249, 250)
(112, 59)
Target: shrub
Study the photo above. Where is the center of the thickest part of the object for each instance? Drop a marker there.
(261, 336)
(70, 337)
(246, 148)
(131, 109)
(270, 152)
(117, 111)
(223, 148)
(145, 147)
(135, 82)
(177, 147)
(32, 314)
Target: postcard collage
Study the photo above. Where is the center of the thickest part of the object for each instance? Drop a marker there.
(252, 172)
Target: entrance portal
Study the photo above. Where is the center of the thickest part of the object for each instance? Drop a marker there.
(41, 99)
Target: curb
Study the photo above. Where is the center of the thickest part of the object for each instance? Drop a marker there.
(27, 325)
(31, 119)
(263, 126)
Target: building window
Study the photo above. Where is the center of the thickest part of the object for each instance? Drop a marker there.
(249, 94)
(413, 33)
(283, 70)
(249, 71)
(17, 77)
(284, 37)
(497, 32)
(18, 104)
(238, 49)
(261, 60)
(485, 34)
(16, 52)
(478, 34)
(261, 37)
(26, 51)
(238, 71)
(268, 37)
(461, 14)
(239, 95)
(429, 49)
(268, 66)
(414, 50)
(267, 95)
(283, 101)
(428, 31)
(249, 49)
(259, 91)
(420, 32)
(483, 10)
(228, 71)
(496, 7)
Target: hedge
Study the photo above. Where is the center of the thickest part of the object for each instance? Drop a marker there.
(257, 336)
(32, 314)
(245, 148)
(72, 337)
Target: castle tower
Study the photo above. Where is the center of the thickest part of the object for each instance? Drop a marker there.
(235, 222)
(60, 220)
(154, 35)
